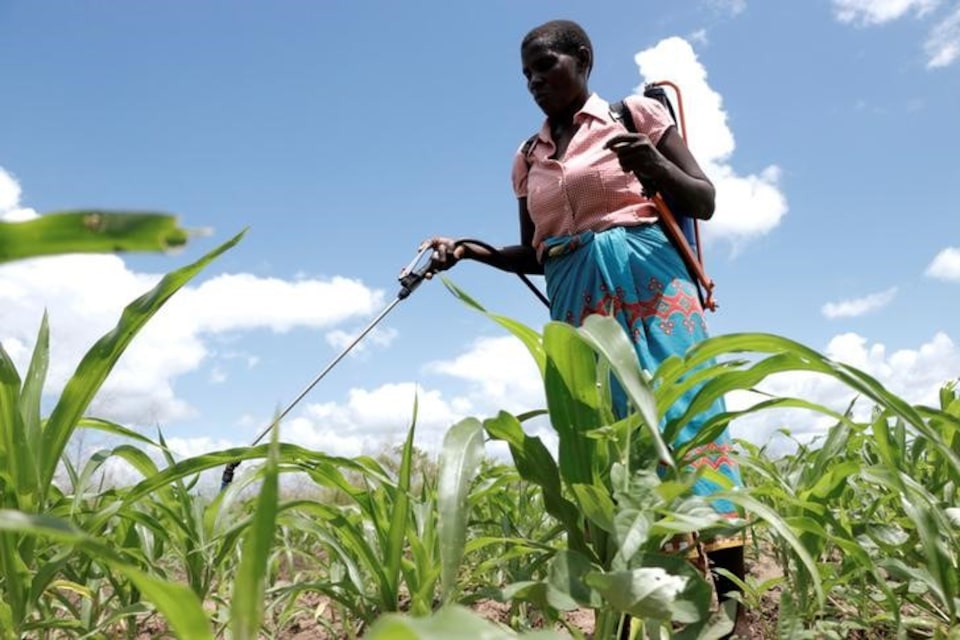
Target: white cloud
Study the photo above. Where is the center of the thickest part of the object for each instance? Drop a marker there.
(874, 12)
(9, 191)
(372, 420)
(747, 206)
(183, 448)
(859, 306)
(946, 266)
(243, 301)
(501, 372)
(943, 44)
(379, 337)
(916, 375)
(85, 294)
(700, 37)
(731, 7)
(10, 210)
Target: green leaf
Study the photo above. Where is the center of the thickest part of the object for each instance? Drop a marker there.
(246, 608)
(178, 604)
(459, 460)
(98, 362)
(831, 482)
(632, 529)
(607, 338)
(535, 464)
(32, 424)
(16, 575)
(115, 429)
(11, 424)
(566, 574)
(450, 623)
(289, 454)
(137, 458)
(399, 521)
(664, 588)
(780, 526)
(596, 504)
(89, 231)
(573, 401)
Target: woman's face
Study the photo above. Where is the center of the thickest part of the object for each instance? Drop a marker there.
(556, 80)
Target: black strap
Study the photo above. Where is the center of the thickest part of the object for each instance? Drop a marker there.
(659, 94)
(527, 147)
(620, 113)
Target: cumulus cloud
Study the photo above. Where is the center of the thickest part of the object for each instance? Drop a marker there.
(859, 306)
(946, 266)
(748, 206)
(943, 44)
(873, 12)
(916, 375)
(498, 374)
(10, 209)
(499, 371)
(495, 374)
(84, 296)
(372, 420)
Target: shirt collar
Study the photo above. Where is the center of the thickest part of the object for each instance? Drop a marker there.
(594, 107)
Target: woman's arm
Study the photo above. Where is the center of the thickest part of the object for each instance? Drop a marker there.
(670, 168)
(683, 179)
(518, 258)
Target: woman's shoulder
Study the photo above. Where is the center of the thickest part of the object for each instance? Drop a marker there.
(643, 104)
(649, 116)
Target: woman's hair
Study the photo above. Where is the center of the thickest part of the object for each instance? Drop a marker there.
(565, 36)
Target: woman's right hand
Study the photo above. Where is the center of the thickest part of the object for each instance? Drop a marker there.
(446, 253)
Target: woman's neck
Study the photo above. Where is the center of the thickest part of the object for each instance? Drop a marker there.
(564, 119)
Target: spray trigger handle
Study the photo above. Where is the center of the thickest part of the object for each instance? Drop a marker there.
(413, 274)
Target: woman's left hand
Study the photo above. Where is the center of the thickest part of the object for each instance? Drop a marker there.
(446, 253)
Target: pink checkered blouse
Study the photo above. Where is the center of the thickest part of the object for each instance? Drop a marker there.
(587, 190)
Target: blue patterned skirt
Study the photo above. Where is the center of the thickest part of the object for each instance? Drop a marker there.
(635, 274)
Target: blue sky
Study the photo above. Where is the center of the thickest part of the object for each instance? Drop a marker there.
(343, 133)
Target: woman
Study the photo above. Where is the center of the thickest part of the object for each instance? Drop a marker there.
(586, 224)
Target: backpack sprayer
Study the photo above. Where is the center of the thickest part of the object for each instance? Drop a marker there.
(410, 278)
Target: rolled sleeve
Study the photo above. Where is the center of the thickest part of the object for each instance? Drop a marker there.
(651, 117)
(518, 174)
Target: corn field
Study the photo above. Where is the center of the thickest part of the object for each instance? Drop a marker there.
(861, 527)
